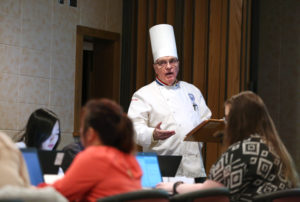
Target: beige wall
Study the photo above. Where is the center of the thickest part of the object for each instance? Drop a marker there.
(279, 68)
(37, 56)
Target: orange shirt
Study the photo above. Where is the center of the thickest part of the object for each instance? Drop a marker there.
(99, 171)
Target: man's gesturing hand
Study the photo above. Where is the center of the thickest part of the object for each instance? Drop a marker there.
(159, 134)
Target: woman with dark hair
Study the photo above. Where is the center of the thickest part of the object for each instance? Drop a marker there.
(254, 161)
(107, 165)
(42, 130)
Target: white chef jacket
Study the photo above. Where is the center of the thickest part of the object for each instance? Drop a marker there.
(181, 108)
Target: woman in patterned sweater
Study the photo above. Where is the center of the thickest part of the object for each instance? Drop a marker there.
(254, 161)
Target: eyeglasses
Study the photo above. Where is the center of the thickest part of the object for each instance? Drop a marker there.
(164, 63)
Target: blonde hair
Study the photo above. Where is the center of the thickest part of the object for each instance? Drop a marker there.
(248, 115)
(13, 168)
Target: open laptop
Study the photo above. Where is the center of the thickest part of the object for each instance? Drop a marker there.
(169, 165)
(50, 160)
(150, 167)
(31, 158)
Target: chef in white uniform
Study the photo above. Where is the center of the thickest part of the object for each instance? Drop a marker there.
(164, 111)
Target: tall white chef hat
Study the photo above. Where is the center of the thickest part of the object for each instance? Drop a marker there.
(162, 41)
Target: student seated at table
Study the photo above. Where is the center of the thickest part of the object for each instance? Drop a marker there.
(42, 131)
(255, 160)
(14, 178)
(13, 169)
(71, 150)
(107, 165)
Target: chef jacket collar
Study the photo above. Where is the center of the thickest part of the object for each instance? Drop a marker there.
(161, 83)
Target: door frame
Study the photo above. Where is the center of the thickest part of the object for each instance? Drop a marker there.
(81, 32)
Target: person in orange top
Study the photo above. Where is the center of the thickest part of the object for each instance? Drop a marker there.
(107, 166)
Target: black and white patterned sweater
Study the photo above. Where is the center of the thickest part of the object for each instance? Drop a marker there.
(248, 168)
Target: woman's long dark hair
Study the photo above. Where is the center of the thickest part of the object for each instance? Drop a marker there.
(39, 127)
(248, 115)
(113, 126)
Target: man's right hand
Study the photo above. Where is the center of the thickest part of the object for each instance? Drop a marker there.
(159, 134)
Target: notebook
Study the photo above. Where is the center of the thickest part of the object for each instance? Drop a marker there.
(169, 165)
(50, 160)
(150, 167)
(33, 165)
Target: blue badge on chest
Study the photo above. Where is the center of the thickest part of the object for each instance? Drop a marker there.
(192, 97)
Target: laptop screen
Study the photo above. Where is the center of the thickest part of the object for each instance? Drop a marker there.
(50, 161)
(33, 165)
(150, 167)
(169, 165)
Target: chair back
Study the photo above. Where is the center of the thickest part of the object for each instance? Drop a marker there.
(288, 195)
(220, 194)
(151, 195)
